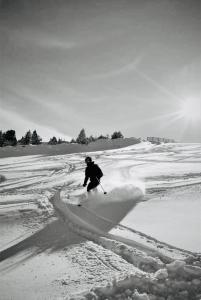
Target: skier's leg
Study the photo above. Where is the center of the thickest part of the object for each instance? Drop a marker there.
(89, 187)
(92, 185)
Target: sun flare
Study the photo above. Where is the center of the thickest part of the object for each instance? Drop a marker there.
(190, 110)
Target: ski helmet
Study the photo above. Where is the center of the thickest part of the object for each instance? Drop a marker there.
(88, 159)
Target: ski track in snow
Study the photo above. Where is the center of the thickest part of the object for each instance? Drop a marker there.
(32, 182)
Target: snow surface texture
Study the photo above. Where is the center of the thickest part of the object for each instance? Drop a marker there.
(2, 178)
(141, 267)
(157, 279)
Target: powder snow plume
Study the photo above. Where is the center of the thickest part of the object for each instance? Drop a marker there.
(123, 193)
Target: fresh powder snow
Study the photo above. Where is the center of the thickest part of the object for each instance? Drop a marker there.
(140, 241)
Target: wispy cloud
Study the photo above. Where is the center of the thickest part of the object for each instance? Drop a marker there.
(72, 65)
(31, 37)
(10, 118)
(157, 85)
(38, 108)
(128, 67)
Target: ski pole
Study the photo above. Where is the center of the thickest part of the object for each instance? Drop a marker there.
(101, 186)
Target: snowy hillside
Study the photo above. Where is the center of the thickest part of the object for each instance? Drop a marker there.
(137, 242)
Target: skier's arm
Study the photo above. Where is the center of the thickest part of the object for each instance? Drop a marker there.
(86, 178)
(99, 172)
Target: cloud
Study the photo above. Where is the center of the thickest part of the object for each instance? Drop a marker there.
(38, 38)
(122, 60)
(48, 41)
(129, 67)
(38, 107)
(20, 124)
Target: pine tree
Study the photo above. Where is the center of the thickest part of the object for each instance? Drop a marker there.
(82, 139)
(27, 138)
(21, 141)
(103, 137)
(9, 138)
(1, 139)
(35, 138)
(91, 138)
(73, 141)
(117, 135)
(60, 141)
(53, 141)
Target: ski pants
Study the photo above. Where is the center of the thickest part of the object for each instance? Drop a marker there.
(92, 184)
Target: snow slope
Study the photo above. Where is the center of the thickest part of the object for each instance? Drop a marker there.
(99, 243)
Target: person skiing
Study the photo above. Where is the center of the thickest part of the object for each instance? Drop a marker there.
(92, 172)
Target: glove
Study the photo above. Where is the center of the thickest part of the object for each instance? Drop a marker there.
(84, 184)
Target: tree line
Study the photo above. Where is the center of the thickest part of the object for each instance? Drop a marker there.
(83, 139)
(8, 138)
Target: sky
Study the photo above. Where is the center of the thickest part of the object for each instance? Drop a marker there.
(101, 65)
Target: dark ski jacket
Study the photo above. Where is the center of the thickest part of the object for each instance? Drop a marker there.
(93, 172)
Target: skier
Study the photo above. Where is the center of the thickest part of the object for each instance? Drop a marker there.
(92, 172)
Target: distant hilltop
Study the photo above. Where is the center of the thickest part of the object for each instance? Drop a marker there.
(158, 140)
(66, 148)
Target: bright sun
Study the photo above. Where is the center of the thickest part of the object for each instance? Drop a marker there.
(190, 110)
